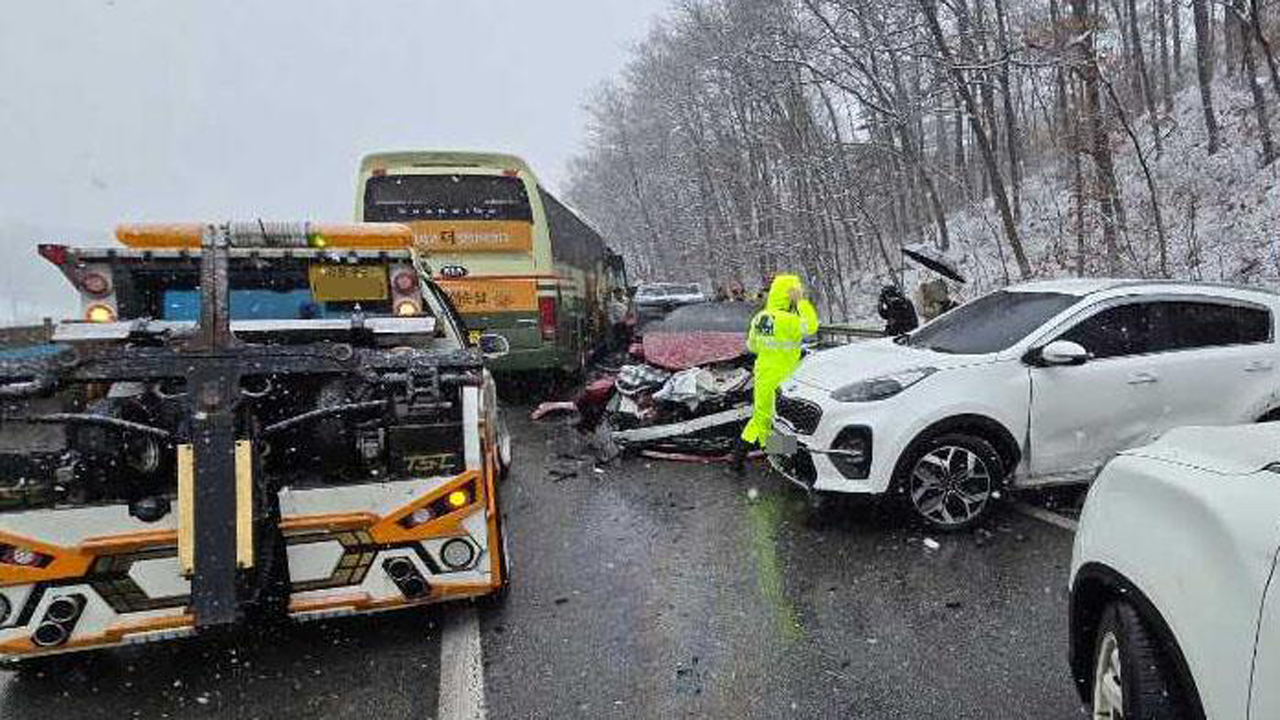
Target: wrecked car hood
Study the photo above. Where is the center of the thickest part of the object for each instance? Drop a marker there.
(699, 334)
(833, 368)
(684, 350)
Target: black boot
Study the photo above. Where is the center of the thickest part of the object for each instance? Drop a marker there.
(738, 462)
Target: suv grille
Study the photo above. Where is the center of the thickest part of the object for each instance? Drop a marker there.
(803, 415)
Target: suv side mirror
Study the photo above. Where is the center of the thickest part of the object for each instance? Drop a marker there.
(493, 346)
(1063, 352)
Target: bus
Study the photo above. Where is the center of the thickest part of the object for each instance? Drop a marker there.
(515, 260)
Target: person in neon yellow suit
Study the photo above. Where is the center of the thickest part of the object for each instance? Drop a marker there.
(774, 338)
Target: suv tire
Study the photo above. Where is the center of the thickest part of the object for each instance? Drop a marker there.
(950, 480)
(1131, 676)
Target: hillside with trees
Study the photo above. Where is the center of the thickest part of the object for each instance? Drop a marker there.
(1018, 138)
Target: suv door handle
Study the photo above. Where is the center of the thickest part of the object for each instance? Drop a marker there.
(1259, 366)
(1142, 378)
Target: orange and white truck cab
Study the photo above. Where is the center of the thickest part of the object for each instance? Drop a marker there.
(252, 422)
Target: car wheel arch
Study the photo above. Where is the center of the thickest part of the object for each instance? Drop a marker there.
(982, 426)
(1094, 588)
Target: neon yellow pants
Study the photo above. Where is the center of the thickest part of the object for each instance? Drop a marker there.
(766, 387)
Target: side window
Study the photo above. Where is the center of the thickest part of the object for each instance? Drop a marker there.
(1207, 324)
(1117, 331)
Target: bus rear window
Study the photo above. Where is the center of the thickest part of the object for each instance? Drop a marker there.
(400, 198)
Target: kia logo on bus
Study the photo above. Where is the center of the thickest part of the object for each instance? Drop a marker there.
(453, 272)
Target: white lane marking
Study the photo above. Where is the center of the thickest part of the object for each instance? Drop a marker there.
(1048, 516)
(461, 666)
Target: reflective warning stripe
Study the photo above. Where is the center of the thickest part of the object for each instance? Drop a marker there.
(778, 344)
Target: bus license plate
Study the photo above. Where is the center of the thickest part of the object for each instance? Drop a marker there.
(348, 283)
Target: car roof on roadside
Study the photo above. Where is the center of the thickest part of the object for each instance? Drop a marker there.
(1090, 286)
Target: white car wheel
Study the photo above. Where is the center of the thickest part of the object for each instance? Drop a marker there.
(1132, 675)
(1108, 692)
(952, 480)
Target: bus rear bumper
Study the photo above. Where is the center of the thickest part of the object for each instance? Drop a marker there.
(529, 359)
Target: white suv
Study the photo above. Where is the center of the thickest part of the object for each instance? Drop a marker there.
(1034, 384)
(1175, 608)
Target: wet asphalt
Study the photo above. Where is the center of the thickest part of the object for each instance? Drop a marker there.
(375, 667)
(662, 590)
(653, 589)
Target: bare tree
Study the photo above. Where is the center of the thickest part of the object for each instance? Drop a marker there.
(1099, 142)
(1162, 28)
(1204, 70)
(1268, 154)
(1175, 12)
(930, 10)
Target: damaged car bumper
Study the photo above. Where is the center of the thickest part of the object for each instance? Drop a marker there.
(828, 447)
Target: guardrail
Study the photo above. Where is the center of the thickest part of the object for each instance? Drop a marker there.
(832, 334)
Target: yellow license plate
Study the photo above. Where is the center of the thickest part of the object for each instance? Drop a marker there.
(348, 283)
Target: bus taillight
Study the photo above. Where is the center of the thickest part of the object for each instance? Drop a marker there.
(547, 317)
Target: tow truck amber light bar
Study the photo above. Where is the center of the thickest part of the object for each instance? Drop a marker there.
(367, 236)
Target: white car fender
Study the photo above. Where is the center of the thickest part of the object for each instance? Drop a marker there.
(1198, 546)
(1004, 400)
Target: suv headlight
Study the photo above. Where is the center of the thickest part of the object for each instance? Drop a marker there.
(882, 387)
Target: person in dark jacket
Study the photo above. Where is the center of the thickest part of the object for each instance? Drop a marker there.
(897, 311)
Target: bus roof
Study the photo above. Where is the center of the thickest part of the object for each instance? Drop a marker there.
(443, 158)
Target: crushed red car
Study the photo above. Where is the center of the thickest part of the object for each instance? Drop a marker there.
(685, 389)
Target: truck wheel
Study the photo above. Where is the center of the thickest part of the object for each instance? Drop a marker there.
(949, 479)
(1131, 678)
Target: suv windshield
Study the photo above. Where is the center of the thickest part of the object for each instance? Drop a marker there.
(991, 323)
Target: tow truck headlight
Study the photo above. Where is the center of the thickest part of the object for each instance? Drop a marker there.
(96, 284)
(457, 553)
(23, 557)
(405, 282)
(99, 313)
(883, 387)
(454, 500)
(458, 498)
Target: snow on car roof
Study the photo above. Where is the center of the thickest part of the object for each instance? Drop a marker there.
(1089, 286)
(1071, 286)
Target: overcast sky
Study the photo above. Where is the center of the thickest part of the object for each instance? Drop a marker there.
(166, 109)
(186, 110)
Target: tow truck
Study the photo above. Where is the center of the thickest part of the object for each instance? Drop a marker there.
(250, 422)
